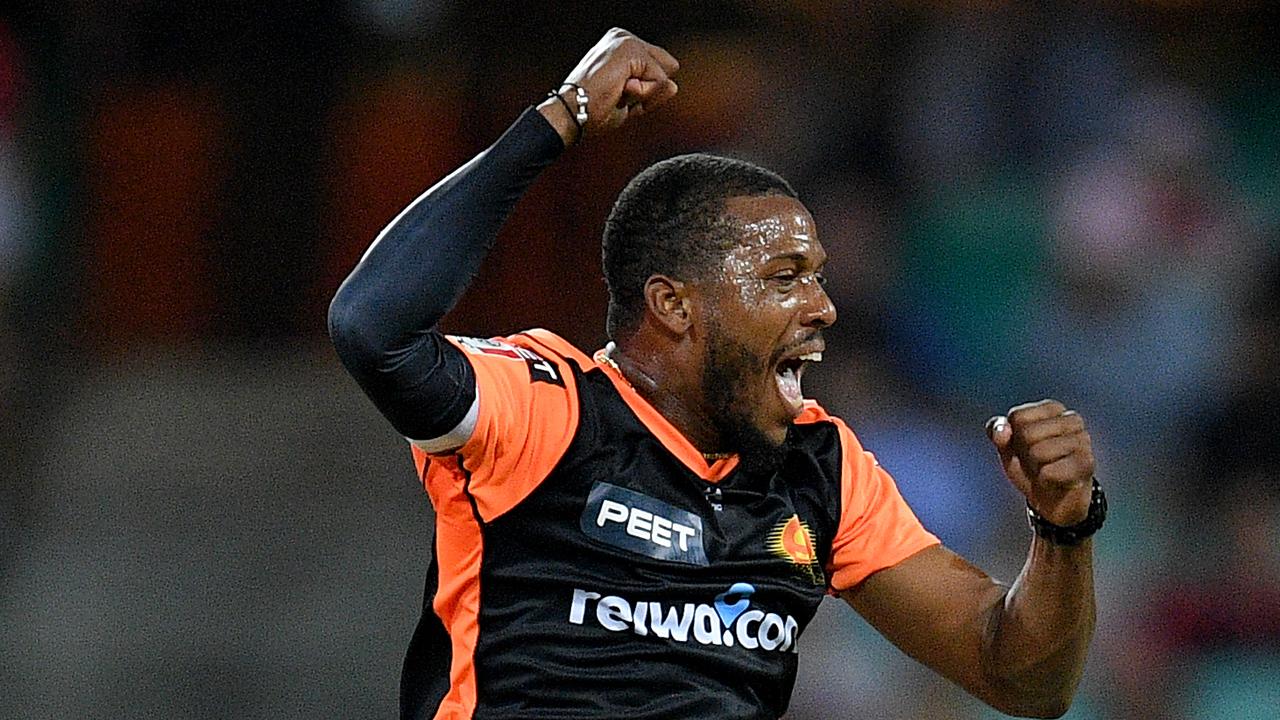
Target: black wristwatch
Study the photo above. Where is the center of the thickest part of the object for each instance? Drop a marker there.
(1072, 535)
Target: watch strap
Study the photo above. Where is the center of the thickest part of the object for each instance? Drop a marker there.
(1072, 535)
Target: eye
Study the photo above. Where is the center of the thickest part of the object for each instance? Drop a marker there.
(788, 280)
(784, 281)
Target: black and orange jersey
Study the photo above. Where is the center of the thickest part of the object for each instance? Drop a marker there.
(589, 563)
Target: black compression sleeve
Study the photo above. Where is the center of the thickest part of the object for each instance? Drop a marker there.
(383, 317)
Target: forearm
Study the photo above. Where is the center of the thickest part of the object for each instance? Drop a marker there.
(1039, 635)
(381, 318)
(420, 264)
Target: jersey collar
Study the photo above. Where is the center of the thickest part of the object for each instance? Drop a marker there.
(671, 438)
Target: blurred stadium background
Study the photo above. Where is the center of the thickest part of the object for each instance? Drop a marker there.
(200, 517)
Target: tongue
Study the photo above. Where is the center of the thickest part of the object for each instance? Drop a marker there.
(789, 386)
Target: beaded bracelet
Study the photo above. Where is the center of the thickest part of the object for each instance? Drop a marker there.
(581, 96)
(572, 115)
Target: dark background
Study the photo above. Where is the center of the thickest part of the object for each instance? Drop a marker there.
(201, 517)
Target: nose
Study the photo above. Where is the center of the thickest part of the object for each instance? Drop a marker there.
(821, 312)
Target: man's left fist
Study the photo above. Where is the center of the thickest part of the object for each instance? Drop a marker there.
(1048, 455)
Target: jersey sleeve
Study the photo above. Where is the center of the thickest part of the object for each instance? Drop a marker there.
(522, 420)
(876, 529)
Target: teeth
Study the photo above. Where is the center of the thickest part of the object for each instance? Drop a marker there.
(811, 357)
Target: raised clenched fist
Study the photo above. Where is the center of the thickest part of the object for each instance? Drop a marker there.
(622, 75)
(1047, 454)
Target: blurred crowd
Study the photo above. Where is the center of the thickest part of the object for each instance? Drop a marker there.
(1020, 200)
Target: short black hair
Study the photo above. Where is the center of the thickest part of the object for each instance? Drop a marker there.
(669, 220)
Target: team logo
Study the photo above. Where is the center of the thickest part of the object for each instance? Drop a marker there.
(539, 369)
(792, 540)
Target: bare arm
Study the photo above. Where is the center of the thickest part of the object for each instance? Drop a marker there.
(1020, 648)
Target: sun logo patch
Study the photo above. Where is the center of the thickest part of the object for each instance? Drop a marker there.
(792, 540)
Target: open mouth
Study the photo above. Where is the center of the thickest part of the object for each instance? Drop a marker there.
(788, 373)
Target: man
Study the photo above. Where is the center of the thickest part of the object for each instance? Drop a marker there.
(646, 532)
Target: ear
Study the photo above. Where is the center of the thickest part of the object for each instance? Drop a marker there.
(667, 301)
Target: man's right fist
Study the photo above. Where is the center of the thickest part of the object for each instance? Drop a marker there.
(623, 77)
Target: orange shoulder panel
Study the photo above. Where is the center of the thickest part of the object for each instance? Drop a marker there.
(527, 400)
(556, 345)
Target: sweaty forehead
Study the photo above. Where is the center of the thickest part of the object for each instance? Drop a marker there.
(773, 226)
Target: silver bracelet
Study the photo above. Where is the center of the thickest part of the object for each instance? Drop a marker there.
(580, 96)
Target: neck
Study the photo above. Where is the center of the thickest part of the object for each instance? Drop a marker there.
(671, 394)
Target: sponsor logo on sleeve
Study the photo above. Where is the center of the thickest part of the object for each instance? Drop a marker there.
(641, 524)
(540, 369)
(792, 540)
